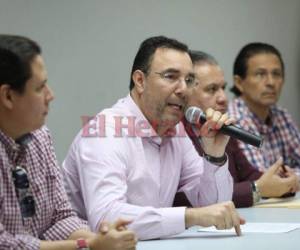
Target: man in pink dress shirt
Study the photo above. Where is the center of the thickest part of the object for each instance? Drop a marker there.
(131, 159)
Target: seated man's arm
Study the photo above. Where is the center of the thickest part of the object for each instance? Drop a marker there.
(103, 173)
(243, 174)
(64, 220)
(203, 182)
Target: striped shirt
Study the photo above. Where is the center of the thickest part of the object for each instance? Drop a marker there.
(54, 219)
(281, 135)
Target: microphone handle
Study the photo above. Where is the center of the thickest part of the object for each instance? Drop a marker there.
(240, 134)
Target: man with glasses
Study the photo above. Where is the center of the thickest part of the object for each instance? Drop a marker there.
(135, 168)
(34, 210)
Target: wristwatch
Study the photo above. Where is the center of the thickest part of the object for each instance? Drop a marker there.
(219, 161)
(82, 244)
(255, 192)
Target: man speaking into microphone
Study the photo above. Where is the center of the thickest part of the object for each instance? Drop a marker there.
(137, 177)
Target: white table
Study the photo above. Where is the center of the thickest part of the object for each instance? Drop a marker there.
(283, 241)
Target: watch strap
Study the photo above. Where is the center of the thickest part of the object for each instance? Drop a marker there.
(215, 160)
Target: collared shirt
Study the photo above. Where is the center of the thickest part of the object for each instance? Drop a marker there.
(54, 218)
(281, 135)
(121, 168)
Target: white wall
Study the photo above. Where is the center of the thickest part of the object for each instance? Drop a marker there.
(89, 45)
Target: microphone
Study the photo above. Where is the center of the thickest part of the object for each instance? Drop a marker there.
(195, 115)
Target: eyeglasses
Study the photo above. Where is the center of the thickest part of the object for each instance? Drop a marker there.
(23, 191)
(175, 77)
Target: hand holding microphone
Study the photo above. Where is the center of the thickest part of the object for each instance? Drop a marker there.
(212, 141)
(195, 116)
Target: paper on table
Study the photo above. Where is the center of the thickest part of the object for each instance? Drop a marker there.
(252, 227)
(279, 202)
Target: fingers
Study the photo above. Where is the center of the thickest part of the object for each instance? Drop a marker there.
(228, 222)
(242, 221)
(230, 121)
(104, 227)
(212, 118)
(289, 171)
(294, 189)
(291, 183)
(224, 120)
(238, 230)
(206, 129)
(221, 120)
(123, 239)
(228, 217)
(121, 224)
(129, 239)
(128, 235)
(216, 119)
(129, 245)
(276, 166)
(237, 221)
(291, 174)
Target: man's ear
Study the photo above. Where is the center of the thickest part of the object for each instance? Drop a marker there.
(6, 96)
(138, 78)
(238, 83)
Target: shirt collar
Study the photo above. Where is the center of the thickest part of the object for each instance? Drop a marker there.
(262, 126)
(15, 145)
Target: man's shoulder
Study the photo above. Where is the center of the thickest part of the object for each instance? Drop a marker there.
(280, 111)
(236, 107)
(121, 109)
(41, 147)
(281, 116)
(238, 110)
(41, 140)
(42, 134)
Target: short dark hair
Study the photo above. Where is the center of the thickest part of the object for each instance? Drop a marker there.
(144, 56)
(240, 65)
(16, 55)
(200, 57)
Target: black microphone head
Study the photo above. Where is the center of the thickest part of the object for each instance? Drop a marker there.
(193, 115)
